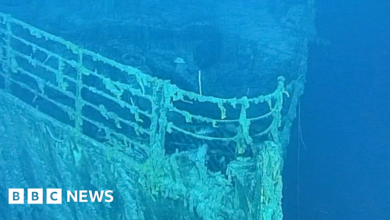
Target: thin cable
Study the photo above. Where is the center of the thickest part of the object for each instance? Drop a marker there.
(300, 140)
(300, 136)
(298, 178)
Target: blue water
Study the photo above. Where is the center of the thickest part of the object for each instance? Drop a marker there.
(345, 171)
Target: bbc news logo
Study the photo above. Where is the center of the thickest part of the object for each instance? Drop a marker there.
(54, 196)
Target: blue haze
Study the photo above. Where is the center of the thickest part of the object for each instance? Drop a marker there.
(345, 171)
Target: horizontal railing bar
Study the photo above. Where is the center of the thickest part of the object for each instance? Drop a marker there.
(46, 83)
(209, 120)
(121, 85)
(65, 108)
(72, 63)
(48, 68)
(130, 123)
(118, 101)
(174, 127)
(111, 131)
